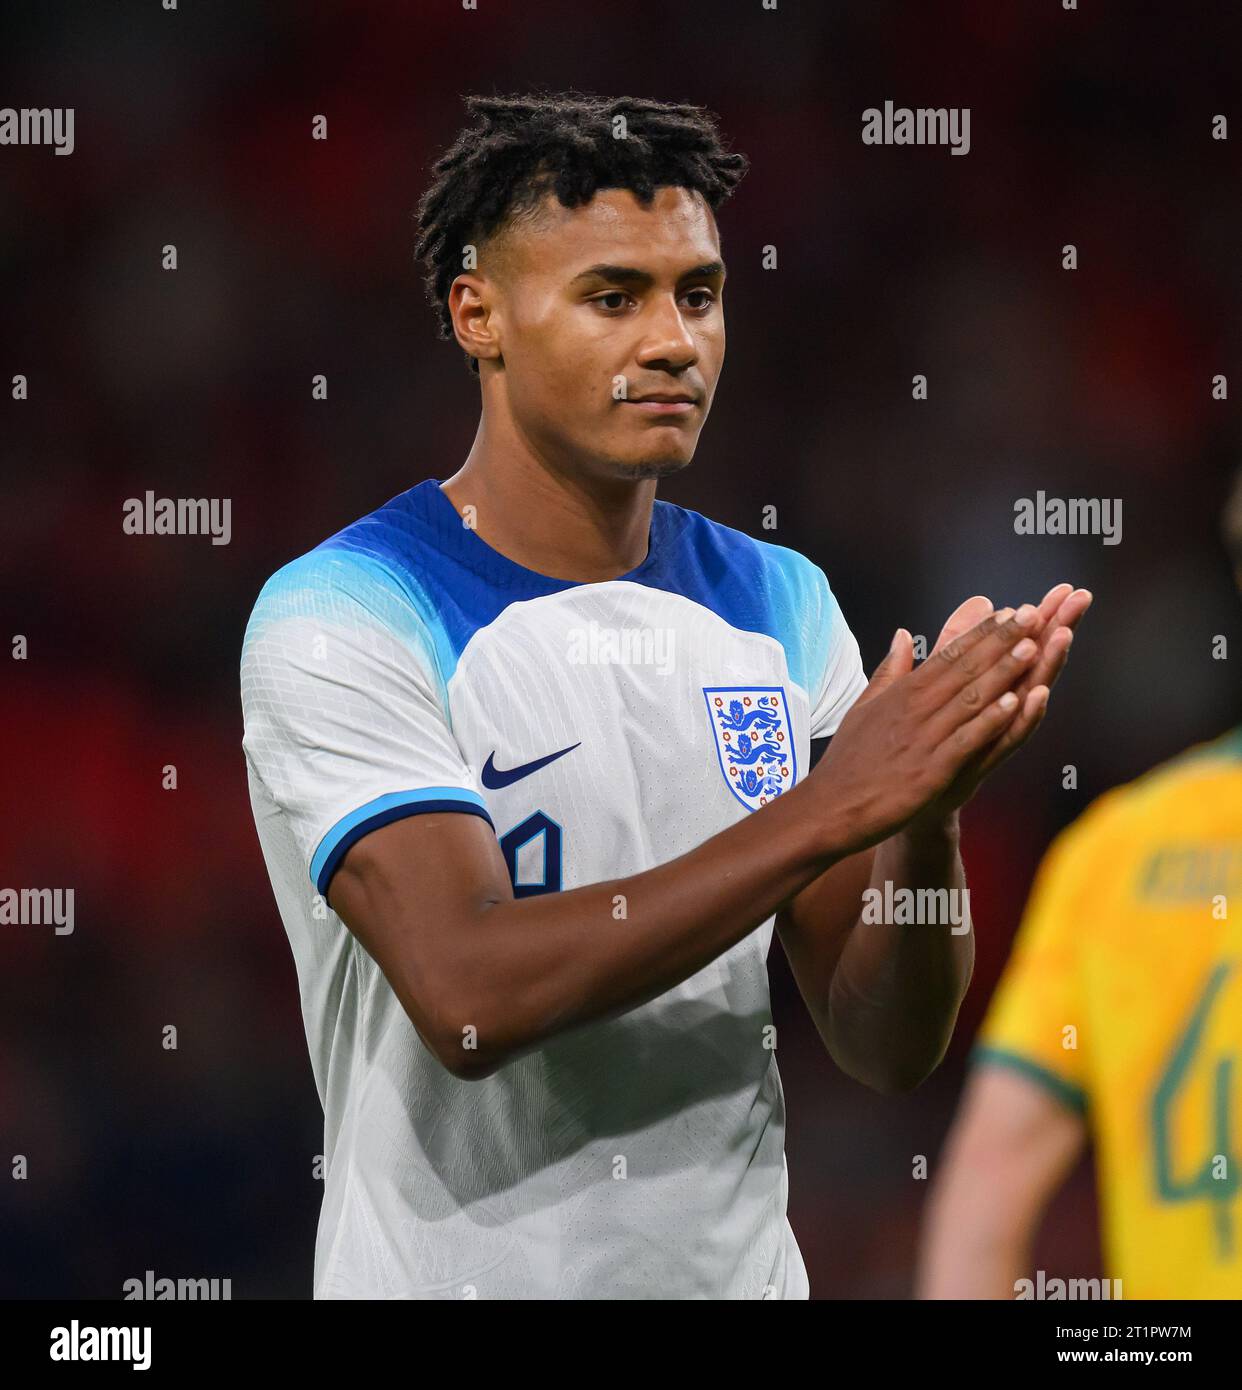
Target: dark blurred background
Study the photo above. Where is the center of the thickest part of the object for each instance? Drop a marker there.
(193, 127)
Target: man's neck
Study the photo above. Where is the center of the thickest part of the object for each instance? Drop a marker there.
(568, 527)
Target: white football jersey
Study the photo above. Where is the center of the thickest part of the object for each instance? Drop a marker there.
(405, 666)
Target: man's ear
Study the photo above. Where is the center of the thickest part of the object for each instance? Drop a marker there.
(471, 306)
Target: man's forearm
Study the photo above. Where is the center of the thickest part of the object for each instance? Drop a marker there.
(898, 985)
(975, 1246)
(536, 966)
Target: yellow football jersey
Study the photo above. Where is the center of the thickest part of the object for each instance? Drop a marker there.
(1123, 997)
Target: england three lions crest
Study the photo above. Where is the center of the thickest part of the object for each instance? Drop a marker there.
(754, 741)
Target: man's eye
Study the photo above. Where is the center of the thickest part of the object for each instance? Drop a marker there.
(704, 304)
(615, 295)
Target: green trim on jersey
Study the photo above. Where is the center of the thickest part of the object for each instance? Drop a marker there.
(1065, 1091)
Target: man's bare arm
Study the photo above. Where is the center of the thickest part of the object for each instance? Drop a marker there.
(484, 976)
(1010, 1148)
(885, 995)
(890, 1033)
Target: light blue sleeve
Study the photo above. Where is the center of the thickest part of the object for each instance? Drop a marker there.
(345, 722)
(837, 659)
(821, 651)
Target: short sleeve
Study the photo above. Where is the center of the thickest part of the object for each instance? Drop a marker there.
(839, 663)
(1035, 1023)
(344, 714)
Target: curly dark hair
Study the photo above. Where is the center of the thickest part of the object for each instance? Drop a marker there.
(520, 148)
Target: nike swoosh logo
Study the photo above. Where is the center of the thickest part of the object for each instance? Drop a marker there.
(494, 778)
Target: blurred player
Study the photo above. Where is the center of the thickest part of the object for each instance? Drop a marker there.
(529, 756)
(1119, 1017)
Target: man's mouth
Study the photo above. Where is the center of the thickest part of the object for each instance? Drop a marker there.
(674, 403)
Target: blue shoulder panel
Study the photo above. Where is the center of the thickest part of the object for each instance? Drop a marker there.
(752, 584)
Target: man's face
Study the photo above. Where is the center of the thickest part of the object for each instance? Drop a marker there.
(598, 310)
